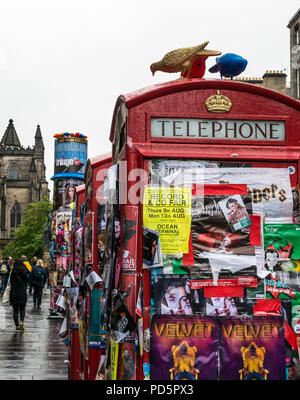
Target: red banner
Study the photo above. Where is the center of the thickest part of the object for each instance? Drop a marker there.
(248, 281)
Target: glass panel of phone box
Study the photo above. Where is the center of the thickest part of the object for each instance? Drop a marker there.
(222, 242)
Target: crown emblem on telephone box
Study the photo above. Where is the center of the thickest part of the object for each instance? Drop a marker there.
(218, 103)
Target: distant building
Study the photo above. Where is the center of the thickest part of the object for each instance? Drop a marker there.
(294, 27)
(275, 80)
(22, 179)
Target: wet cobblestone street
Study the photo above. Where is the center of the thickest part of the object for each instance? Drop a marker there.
(35, 354)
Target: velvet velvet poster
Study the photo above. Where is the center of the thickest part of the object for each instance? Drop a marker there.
(252, 348)
(184, 347)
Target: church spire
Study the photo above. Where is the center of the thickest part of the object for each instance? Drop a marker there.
(10, 138)
(39, 144)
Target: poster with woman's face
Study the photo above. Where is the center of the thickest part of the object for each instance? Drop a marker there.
(221, 306)
(235, 212)
(70, 194)
(172, 295)
(65, 192)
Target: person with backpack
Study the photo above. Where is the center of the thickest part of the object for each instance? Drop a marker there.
(18, 295)
(4, 271)
(39, 278)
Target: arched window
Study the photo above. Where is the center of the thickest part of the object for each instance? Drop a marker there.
(13, 172)
(15, 216)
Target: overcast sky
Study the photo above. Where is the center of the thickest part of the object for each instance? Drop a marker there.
(63, 63)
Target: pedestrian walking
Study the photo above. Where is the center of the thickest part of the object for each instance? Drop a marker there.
(39, 278)
(18, 295)
(28, 267)
(47, 281)
(33, 264)
(4, 271)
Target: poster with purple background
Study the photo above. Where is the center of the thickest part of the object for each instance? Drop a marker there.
(184, 347)
(252, 348)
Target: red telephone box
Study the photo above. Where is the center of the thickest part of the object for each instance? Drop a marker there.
(95, 174)
(225, 122)
(75, 357)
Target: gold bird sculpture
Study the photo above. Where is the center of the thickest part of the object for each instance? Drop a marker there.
(181, 60)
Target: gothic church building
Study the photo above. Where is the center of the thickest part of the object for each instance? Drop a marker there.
(22, 179)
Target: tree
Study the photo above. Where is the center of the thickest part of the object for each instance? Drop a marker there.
(28, 238)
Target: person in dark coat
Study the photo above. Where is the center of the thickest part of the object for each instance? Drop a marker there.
(18, 295)
(39, 278)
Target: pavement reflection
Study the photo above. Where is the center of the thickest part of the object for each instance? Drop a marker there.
(35, 354)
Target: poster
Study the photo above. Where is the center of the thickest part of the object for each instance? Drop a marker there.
(82, 339)
(129, 239)
(258, 292)
(63, 221)
(270, 188)
(296, 316)
(101, 235)
(101, 369)
(64, 192)
(229, 304)
(296, 204)
(127, 362)
(72, 295)
(281, 241)
(172, 295)
(211, 230)
(97, 329)
(168, 211)
(232, 263)
(290, 278)
(162, 170)
(128, 285)
(61, 264)
(114, 352)
(252, 348)
(122, 322)
(235, 212)
(158, 260)
(150, 243)
(183, 347)
(89, 238)
(225, 306)
(77, 248)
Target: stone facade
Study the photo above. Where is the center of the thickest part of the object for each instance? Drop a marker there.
(275, 80)
(22, 179)
(294, 27)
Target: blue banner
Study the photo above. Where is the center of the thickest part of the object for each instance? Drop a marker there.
(70, 158)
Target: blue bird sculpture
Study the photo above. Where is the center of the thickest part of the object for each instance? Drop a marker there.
(229, 65)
